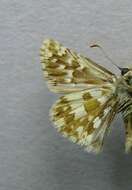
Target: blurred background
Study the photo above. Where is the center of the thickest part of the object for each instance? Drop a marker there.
(33, 156)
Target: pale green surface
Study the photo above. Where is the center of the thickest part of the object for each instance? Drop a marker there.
(32, 154)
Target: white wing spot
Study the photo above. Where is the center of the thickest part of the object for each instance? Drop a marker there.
(68, 80)
(69, 73)
(107, 110)
(59, 122)
(73, 139)
(88, 139)
(79, 129)
(95, 93)
(61, 67)
(79, 112)
(103, 99)
(74, 96)
(97, 122)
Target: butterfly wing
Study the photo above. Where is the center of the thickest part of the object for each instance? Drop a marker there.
(84, 116)
(68, 71)
(85, 112)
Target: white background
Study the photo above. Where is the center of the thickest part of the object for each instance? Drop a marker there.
(33, 156)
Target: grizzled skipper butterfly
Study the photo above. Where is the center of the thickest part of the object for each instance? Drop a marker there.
(92, 96)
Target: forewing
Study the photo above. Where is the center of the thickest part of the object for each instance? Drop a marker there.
(84, 116)
(68, 71)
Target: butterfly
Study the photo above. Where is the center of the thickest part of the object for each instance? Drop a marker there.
(91, 96)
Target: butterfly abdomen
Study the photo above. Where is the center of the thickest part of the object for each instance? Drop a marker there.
(128, 127)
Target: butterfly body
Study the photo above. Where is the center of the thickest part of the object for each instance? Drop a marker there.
(92, 96)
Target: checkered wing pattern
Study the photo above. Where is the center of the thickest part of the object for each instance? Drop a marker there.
(67, 71)
(88, 106)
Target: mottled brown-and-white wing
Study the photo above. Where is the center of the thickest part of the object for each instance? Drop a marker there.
(85, 116)
(68, 71)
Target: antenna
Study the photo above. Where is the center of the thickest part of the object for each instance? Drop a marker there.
(105, 54)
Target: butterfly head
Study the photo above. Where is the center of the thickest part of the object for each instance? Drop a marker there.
(127, 76)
